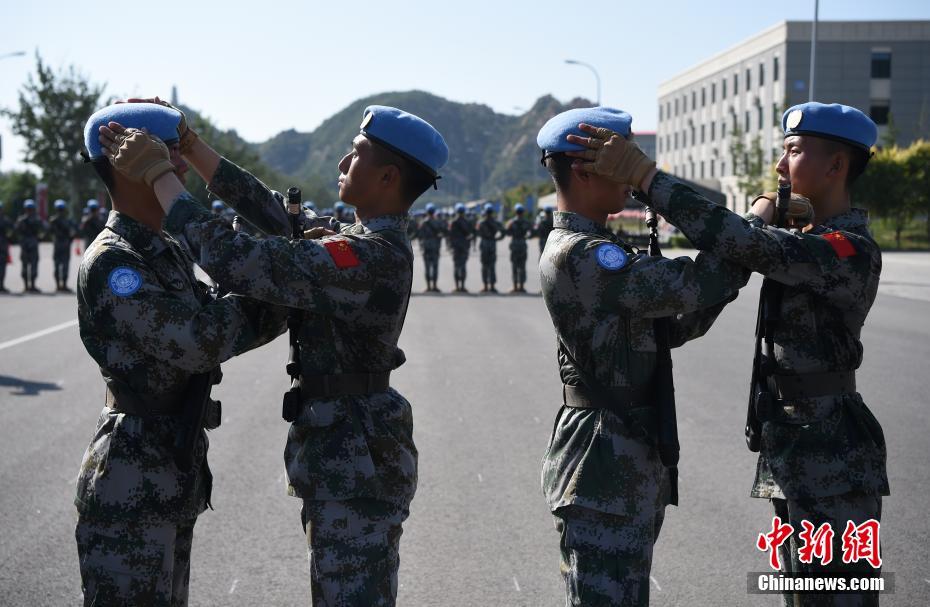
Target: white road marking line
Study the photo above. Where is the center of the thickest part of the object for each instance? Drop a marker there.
(37, 334)
(233, 587)
(659, 588)
(516, 584)
(480, 478)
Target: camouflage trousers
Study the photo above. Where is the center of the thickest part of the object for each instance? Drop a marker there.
(431, 264)
(460, 261)
(4, 257)
(489, 262)
(134, 564)
(518, 256)
(606, 558)
(62, 258)
(354, 551)
(835, 510)
(29, 257)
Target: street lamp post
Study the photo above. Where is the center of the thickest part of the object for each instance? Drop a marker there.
(597, 77)
(813, 49)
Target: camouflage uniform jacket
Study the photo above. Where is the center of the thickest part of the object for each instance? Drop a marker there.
(821, 446)
(430, 234)
(29, 229)
(6, 229)
(62, 228)
(148, 342)
(519, 229)
(490, 229)
(543, 227)
(461, 233)
(604, 319)
(353, 290)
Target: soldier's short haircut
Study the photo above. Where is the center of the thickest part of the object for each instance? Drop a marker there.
(104, 170)
(414, 180)
(560, 168)
(857, 158)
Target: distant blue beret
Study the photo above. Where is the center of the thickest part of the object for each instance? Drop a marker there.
(408, 135)
(459, 207)
(29, 204)
(488, 207)
(430, 207)
(92, 203)
(339, 205)
(552, 136)
(158, 119)
(60, 204)
(217, 204)
(834, 121)
(518, 208)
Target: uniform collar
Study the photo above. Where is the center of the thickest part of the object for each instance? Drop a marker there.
(850, 220)
(574, 222)
(383, 222)
(140, 236)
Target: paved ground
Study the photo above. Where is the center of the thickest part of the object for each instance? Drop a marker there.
(481, 376)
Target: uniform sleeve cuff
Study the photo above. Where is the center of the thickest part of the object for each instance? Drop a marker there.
(754, 219)
(185, 210)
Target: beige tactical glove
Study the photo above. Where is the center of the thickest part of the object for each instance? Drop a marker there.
(613, 156)
(800, 210)
(317, 233)
(139, 156)
(186, 135)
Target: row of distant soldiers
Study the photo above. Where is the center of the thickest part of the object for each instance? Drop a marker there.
(29, 229)
(462, 232)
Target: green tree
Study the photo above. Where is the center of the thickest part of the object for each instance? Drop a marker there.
(53, 107)
(884, 189)
(15, 187)
(753, 174)
(917, 168)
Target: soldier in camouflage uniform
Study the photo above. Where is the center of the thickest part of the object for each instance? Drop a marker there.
(29, 228)
(489, 231)
(6, 228)
(63, 232)
(543, 227)
(823, 453)
(519, 229)
(461, 234)
(151, 327)
(350, 454)
(91, 223)
(602, 474)
(430, 235)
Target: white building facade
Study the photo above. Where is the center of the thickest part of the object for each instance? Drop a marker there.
(882, 68)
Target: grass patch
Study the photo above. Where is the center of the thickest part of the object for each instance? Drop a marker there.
(913, 237)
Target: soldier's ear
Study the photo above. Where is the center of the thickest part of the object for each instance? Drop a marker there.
(578, 172)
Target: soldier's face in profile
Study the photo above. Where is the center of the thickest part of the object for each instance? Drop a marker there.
(359, 173)
(805, 164)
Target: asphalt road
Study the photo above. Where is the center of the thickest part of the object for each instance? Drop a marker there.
(481, 376)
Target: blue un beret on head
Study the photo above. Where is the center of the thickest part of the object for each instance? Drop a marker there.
(160, 121)
(406, 134)
(834, 121)
(552, 136)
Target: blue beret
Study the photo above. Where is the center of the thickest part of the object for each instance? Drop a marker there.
(430, 207)
(552, 136)
(60, 204)
(29, 203)
(217, 204)
(488, 207)
(92, 203)
(518, 208)
(834, 121)
(408, 135)
(160, 121)
(459, 207)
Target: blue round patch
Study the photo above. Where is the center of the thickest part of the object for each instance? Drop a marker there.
(611, 256)
(124, 281)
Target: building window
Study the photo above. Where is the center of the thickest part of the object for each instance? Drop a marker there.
(713, 131)
(659, 145)
(660, 111)
(761, 74)
(703, 96)
(879, 111)
(723, 169)
(693, 99)
(676, 106)
(776, 119)
(775, 70)
(713, 92)
(723, 88)
(735, 84)
(723, 129)
(881, 64)
(676, 141)
(702, 133)
(702, 169)
(711, 168)
(760, 117)
(748, 79)
(693, 138)
(668, 108)
(747, 121)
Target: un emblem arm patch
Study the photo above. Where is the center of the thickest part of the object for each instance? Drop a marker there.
(124, 281)
(611, 257)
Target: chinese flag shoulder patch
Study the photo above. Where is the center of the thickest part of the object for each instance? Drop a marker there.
(840, 244)
(341, 252)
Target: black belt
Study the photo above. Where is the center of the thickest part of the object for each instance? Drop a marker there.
(812, 385)
(344, 384)
(149, 407)
(617, 398)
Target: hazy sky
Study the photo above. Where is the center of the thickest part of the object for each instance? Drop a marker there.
(262, 67)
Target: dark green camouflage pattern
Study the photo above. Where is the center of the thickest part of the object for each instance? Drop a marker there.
(817, 447)
(490, 230)
(149, 344)
(137, 564)
(461, 234)
(595, 465)
(519, 229)
(348, 447)
(354, 551)
(29, 229)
